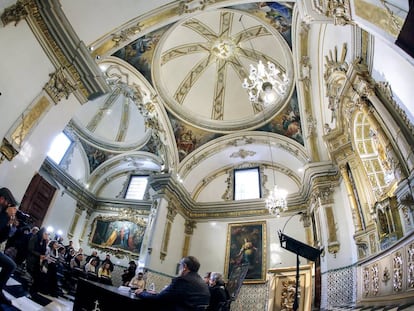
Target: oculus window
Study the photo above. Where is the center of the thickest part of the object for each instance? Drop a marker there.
(247, 183)
(59, 147)
(136, 187)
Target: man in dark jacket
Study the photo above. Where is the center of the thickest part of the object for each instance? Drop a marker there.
(187, 292)
(8, 220)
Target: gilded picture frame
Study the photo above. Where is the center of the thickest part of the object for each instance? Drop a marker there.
(246, 245)
(118, 235)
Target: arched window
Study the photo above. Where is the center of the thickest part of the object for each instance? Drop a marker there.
(371, 153)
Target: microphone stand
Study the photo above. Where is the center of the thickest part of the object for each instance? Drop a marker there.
(284, 226)
(296, 301)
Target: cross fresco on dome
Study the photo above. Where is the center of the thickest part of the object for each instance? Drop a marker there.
(287, 122)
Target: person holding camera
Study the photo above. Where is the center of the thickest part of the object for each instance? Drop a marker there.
(8, 223)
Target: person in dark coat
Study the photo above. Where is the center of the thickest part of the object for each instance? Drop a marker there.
(129, 273)
(8, 220)
(187, 292)
(220, 299)
(37, 253)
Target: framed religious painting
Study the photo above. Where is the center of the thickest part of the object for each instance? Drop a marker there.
(246, 247)
(118, 235)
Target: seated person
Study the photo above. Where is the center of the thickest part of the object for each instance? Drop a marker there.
(105, 274)
(129, 273)
(188, 291)
(137, 282)
(76, 265)
(219, 300)
(91, 269)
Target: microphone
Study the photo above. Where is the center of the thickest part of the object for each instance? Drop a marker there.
(284, 226)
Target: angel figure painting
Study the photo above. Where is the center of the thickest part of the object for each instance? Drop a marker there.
(246, 247)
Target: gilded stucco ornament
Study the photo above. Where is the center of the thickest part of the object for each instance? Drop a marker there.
(375, 279)
(126, 34)
(189, 226)
(386, 275)
(7, 151)
(243, 153)
(397, 280)
(410, 266)
(191, 6)
(340, 11)
(335, 77)
(60, 85)
(305, 71)
(362, 247)
(14, 13)
(132, 215)
(406, 205)
(365, 281)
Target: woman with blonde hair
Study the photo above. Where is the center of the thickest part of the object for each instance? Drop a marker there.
(105, 274)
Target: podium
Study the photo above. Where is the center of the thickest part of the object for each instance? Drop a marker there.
(300, 249)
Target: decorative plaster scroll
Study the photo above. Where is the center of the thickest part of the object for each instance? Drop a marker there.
(229, 192)
(190, 225)
(172, 211)
(378, 16)
(60, 85)
(191, 6)
(126, 34)
(410, 266)
(335, 78)
(7, 150)
(305, 71)
(365, 281)
(15, 13)
(394, 22)
(339, 10)
(242, 153)
(241, 141)
(362, 247)
(311, 126)
(386, 275)
(375, 279)
(397, 280)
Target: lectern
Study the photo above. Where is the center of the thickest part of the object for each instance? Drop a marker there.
(300, 249)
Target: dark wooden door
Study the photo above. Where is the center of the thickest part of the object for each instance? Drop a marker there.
(318, 284)
(37, 199)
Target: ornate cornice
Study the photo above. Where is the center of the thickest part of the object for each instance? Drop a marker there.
(384, 92)
(60, 42)
(88, 201)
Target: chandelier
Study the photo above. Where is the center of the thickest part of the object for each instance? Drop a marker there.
(276, 201)
(265, 85)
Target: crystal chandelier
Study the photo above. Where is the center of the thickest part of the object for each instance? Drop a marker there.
(265, 85)
(276, 201)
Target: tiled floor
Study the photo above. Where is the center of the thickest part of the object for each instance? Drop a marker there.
(24, 303)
